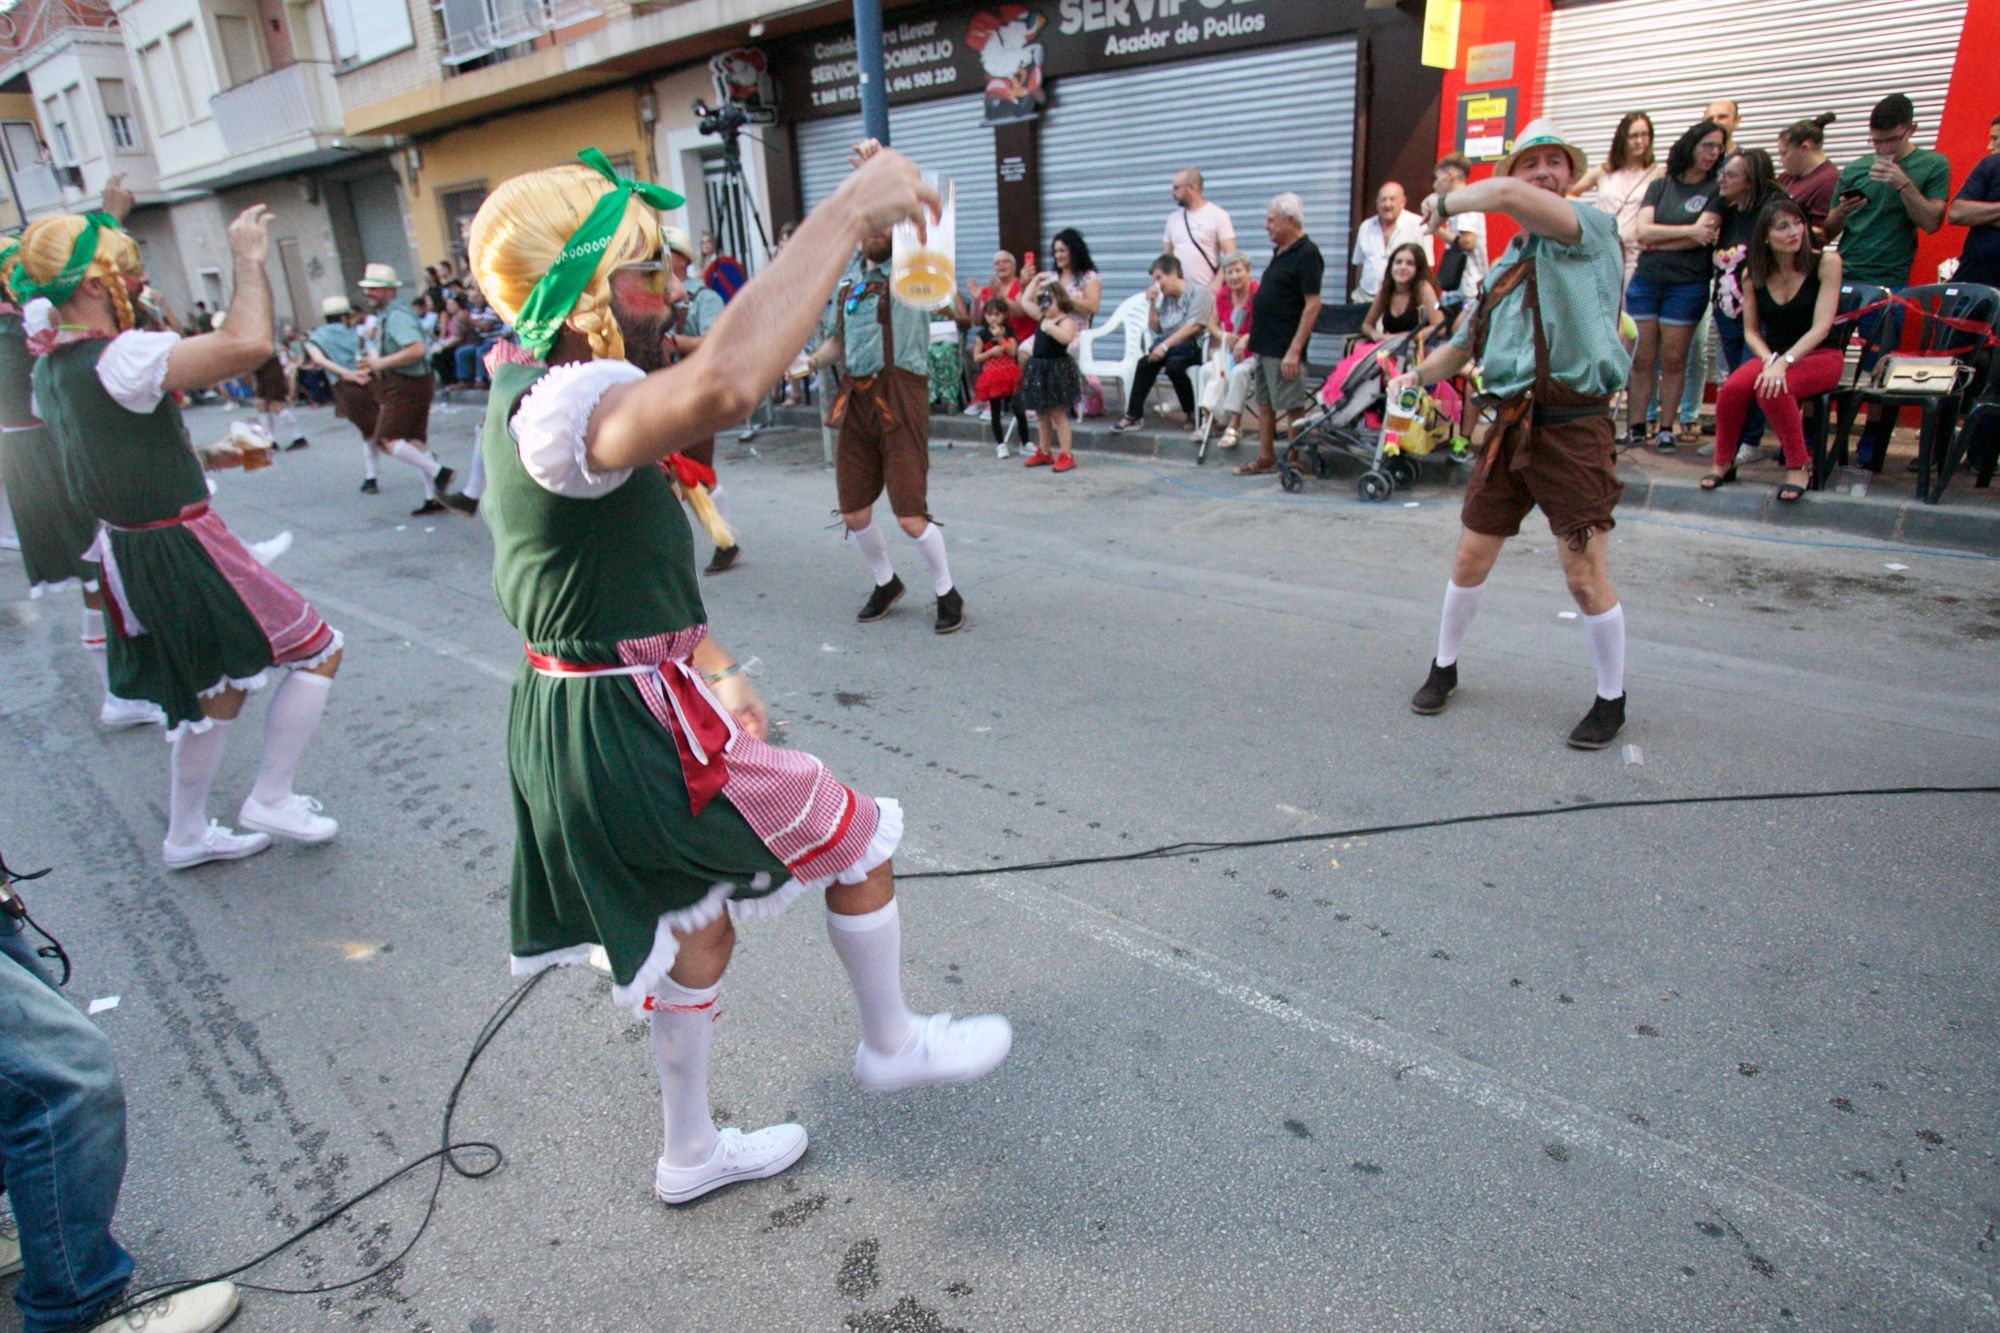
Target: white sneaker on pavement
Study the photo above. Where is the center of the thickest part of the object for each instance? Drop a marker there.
(737, 1156)
(1002, 451)
(197, 1310)
(296, 817)
(10, 1243)
(941, 1050)
(217, 844)
(1749, 453)
(117, 713)
(267, 551)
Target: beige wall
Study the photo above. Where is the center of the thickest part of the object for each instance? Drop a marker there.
(486, 153)
(200, 228)
(16, 106)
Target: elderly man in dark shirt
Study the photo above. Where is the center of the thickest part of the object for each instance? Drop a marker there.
(1282, 315)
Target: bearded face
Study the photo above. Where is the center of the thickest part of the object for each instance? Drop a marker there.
(642, 316)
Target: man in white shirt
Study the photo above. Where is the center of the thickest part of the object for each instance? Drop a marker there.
(1392, 225)
(1198, 233)
(1465, 231)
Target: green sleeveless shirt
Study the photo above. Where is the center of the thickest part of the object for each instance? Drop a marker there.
(573, 575)
(125, 467)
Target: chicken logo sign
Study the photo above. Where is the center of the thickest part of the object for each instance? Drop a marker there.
(742, 78)
(1012, 61)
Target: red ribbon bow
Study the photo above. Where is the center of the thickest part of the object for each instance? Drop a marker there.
(688, 472)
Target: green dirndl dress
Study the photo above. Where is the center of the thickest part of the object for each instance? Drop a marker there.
(611, 850)
(55, 530)
(189, 611)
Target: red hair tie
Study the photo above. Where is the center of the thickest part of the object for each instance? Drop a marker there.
(688, 472)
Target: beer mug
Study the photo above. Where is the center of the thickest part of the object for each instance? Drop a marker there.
(923, 272)
(1400, 416)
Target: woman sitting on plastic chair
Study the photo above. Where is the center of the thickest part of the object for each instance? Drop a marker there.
(1788, 309)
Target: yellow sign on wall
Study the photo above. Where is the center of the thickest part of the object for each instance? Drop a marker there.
(1440, 33)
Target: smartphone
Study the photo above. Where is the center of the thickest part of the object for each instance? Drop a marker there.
(1853, 198)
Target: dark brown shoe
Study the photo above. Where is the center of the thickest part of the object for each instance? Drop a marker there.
(1435, 692)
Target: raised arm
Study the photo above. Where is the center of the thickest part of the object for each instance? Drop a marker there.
(1542, 212)
(244, 340)
(759, 333)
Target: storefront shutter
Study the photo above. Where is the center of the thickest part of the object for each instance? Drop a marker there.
(945, 136)
(1255, 124)
(1781, 60)
(378, 218)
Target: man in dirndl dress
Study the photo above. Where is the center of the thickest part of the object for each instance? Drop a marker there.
(650, 814)
(54, 530)
(195, 619)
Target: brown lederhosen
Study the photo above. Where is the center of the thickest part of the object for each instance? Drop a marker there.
(403, 407)
(356, 402)
(1551, 446)
(885, 426)
(269, 380)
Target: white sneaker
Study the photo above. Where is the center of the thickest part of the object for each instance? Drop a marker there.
(1749, 453)
(1002, 451)
(217, 844)
(197, 1310)
(10, 1243)
(737, 1156)
(296, 817)
(943, 1050)
(267, 551)
(117, 713)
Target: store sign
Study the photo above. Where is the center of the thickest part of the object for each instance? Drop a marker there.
(1008, 50)
(742, 77)
(1486, 124)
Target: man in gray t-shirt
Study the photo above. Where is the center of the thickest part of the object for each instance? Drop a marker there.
(1177, 312)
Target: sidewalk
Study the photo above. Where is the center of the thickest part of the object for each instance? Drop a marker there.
(1967, 519)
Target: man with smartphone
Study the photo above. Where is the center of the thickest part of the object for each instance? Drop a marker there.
(1881, 202)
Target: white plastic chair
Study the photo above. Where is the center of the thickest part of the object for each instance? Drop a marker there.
(1129, 319)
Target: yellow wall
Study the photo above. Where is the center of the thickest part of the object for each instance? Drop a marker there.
(15, 106)
(490, 151)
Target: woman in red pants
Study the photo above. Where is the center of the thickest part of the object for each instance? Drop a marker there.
(1788, 309)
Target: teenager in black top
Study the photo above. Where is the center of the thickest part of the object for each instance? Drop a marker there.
(1407, 299)
(1788, 308)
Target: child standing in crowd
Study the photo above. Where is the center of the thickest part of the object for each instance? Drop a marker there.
(1051, 385)
(999, 374)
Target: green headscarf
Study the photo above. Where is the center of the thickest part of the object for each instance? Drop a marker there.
(541, 316)
(63, 283)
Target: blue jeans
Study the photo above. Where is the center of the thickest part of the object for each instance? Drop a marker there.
(1729, 336)
(62, 1146)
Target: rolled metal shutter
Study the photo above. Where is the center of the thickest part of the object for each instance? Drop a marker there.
(1111, 143)
(1781, 60)
(378, 217)
(945, 136)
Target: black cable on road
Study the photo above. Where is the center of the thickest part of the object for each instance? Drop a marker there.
(1178, 849)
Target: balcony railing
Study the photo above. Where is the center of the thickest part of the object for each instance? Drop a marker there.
(39, 188)
(510, 23)
(31, 23)
(288, 103)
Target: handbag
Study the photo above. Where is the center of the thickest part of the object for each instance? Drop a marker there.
(1920, 374)
(1451, 268)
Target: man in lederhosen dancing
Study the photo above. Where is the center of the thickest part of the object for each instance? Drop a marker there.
(399, 372)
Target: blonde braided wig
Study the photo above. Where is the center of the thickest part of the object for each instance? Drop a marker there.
(46, 247)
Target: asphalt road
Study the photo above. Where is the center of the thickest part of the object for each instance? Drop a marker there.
(1721, 1067)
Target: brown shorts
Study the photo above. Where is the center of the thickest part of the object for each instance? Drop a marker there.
(356, 402)
(403, 407)
(885, 441)
(1570, 471)
(269, 381)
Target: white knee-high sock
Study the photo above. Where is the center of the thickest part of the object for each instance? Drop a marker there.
(289, 421)
(423, 460)
(875, 550)
(371, 469)
(475, 475)
(1607, 650)
(683, 1024)
(720, 495)
(870, 947)
(295, 713)
(93, 643)
(932, 545)
(270, 423)
(196, 757)
(1460, 606)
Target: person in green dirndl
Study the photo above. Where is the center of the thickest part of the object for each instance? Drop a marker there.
(650, 814)
(194, 619)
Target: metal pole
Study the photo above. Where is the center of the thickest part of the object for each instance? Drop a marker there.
(868, 58)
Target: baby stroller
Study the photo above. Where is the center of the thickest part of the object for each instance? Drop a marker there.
(1353, 395)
